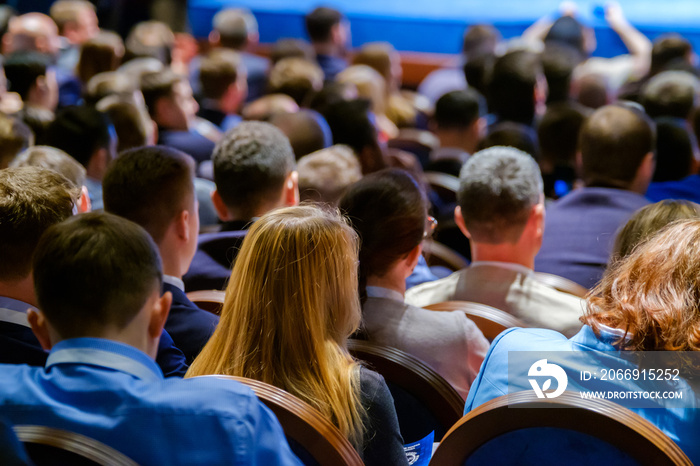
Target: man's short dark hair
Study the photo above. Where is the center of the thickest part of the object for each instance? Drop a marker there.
(510, 134)
(613, 143)
(131, 121)
(670, 94)
(558, 63)
(479, 39)
(568, 31)
(511, 92)
(150, 186)
(251, 163)
(158, 84)
(675, 149)
(79, 131)
(109, 83)
(558, 133)
(497, 189)
(218, 71)
(94, 272)
(668, 48)
(31, 200)
(234, 25)
(320, 22)
(459, 109)
(22, 69)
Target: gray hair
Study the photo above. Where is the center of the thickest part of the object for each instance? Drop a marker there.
(498, 187)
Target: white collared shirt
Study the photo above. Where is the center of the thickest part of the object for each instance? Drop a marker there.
(381, 292)
(174, 281)
(505, 265)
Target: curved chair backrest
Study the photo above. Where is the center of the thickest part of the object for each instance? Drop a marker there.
(442, 182)
(209, 300)
(615, 426)
(416, 141)
(438, 254)
(491, 321)
(49, 446)
(303, 424)
(562, 284)
(419, 381)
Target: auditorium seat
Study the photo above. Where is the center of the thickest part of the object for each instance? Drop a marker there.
(424, 401)
(520, 428)
(209, 300)
(437, 254)
(491, 321)
(55, 447)
(562, 284)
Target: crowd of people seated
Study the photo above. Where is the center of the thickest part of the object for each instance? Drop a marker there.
(303, 180)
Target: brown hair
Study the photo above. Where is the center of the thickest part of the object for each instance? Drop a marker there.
(218, 71)
(99, 55)
(31, 200)
(653, 294)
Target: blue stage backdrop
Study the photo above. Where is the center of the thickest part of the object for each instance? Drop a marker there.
(437, 25)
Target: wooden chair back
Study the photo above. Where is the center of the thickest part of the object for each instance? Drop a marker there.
(417, 380)
(49, 446)
(416, 141)
(304, 425)
(601, 419)
(562, 284)
(438, 254)
(491, 321)
(209, 300)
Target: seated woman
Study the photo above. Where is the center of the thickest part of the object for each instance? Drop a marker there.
(647, 301)
(388, 209)
(290, 306)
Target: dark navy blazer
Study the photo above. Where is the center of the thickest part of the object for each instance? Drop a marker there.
(211, 266)
(189, 325)
(580, 231)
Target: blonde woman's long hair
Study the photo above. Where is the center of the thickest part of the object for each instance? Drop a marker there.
(290, 306)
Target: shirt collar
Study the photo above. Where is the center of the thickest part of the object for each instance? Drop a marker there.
(454, 153)
(14, 311)
(105, 353)
(174, 281)
(504, 265)
(380, 292)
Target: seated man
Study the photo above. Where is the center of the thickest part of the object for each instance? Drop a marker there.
(501, 211)
(88, 136)
(617, 163)
(154, 187)
(329, 32)
(38, 198)
(171, 105)
(224, 88)
(105, 341)
(254, 173)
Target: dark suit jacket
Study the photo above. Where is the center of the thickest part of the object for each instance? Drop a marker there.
(222, 120)
(688, 188)
(189, 142)
(189, 325)
(211, 265)
(580, 230)
(18, 345)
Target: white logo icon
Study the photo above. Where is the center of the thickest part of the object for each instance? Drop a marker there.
(542, 369)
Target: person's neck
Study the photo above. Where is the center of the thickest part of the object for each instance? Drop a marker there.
(514, 253)
(392, 281)
(455, 139)
(21, 290)
(172, 264)
(327, 48)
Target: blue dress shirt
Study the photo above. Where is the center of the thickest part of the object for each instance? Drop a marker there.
(583, 351)
(116, 394)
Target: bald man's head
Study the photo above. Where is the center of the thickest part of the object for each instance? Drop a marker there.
(31, 32)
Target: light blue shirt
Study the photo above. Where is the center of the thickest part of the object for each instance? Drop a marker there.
(582, 352)
(116, 394)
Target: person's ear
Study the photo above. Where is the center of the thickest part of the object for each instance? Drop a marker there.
(159, 314)
(214, 38)
(220, 206)
(182, 225)
(39, 326)
(412, 258)
(291, 189)
(459, 220)
(84, 204)
(537, 218)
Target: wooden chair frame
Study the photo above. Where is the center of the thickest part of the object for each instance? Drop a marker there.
(602, 419)
(414, 376)
(491, 321)
(209, 300)
(78, 444)
(438, 254)
(561, 284)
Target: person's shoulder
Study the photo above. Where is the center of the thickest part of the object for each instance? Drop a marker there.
(525, 339)
(208, 395)
(435, 291)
